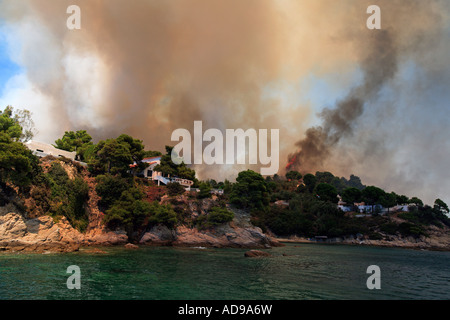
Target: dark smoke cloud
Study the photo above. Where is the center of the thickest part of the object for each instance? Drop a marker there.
(410, 29)
(378, 67)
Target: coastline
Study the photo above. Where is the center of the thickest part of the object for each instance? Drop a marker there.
(43, 234)
(399, 244)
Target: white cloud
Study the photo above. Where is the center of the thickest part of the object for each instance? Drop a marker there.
(21, 94)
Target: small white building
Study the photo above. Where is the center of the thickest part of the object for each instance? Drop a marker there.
(41, 150)
(150, 173)
(345, 208)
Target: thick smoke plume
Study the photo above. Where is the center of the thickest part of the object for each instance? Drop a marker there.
(378, 68)
(379, 54)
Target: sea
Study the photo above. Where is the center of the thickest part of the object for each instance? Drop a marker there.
(293, 272)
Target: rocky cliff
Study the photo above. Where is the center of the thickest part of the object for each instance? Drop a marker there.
(28, 233)
(43, 234)
(37, 235)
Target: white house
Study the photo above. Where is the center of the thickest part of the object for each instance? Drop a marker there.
(361, 207)
(150, 173)
(41, 149)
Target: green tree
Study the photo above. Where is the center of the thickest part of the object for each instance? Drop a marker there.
(310, 182)
(389, 200)
(151, 154)
(163, 214)
(129, 212)
(79, 141)
(324, 177)
(416, 201)
(372, 196)
(351, 195)
(441, 205)
(174, 189)
(250, 191)
(18, 165)
(227, 186)
(355, 182)
(10, 125)
(110, 188)
(68, 197)
(215, 217)
(168, 168)
(205, 190)
(293, 175)
(402, 199)
(115, 156)
(327, 192)
(339, 184)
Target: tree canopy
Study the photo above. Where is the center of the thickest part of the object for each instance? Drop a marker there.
(351, 195)
(250, 191)
(168, 168)
(79, 141)
(327, 192)
(441, 205)
(18, 165)
(293, 175)
(115, 156)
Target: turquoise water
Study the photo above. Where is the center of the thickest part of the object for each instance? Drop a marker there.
(296, 271)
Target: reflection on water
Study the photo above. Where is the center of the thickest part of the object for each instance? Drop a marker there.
(302, 271)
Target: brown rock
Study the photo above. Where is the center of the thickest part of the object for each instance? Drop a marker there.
(256, 253)
(159, 235)
(131, 246)
(95, 250)
(37, 235)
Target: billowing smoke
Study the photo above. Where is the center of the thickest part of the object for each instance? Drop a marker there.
(367, 130)
(378, 67)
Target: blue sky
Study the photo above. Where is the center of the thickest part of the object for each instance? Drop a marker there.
(7, 67)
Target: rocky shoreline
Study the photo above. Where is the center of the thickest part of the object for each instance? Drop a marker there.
(43, 234)
(436, 241)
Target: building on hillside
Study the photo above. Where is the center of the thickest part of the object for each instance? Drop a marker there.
(362, 208)
(344, 207)
(217, 191)
(150, 173)
(41, 150)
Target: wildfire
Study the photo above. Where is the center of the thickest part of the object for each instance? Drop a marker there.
(291, 162)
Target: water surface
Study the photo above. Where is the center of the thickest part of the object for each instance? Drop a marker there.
(296, 271)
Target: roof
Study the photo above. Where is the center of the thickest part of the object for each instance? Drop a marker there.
(43, 149)
(151, 159)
